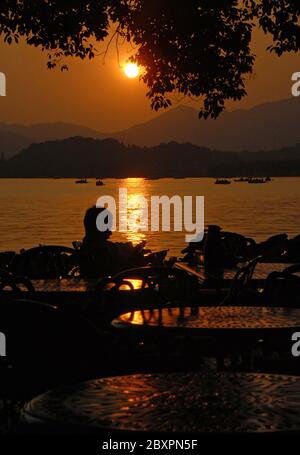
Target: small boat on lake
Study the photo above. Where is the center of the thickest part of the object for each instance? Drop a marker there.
(81, 181)
(222, 182)
(99, 182)
(257, 180)
(242, 179)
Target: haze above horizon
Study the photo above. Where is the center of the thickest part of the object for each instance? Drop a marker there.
(102, 98)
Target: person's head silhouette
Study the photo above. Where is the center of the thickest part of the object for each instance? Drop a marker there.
(92, 232)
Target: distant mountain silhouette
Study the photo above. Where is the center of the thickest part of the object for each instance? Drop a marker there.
(86, 157)
(80, 157)
(14, 137)
(50, 131)
(11, 143)
(267, 126)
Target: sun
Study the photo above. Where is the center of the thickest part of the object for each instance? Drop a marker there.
(131, 70)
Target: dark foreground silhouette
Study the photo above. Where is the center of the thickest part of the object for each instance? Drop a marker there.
(99, 256)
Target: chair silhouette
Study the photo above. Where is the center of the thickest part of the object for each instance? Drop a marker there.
(17, 284)
(31, 334)
(236, 248)
(241, 283)
(150, 285)
(47, 346)
(48, 261)
(282, 289)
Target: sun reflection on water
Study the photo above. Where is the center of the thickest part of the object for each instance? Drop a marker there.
(136, 211)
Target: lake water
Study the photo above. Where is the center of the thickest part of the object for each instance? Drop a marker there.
(49, 211)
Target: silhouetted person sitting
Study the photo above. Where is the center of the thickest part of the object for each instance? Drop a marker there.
(99, 256)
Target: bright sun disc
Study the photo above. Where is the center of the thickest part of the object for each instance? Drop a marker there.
(131, 70)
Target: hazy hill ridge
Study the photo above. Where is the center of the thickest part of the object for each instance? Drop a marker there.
(268, 126)
(14, 137)
(86, 157)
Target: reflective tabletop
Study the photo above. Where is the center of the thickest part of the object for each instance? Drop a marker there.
(204, 402)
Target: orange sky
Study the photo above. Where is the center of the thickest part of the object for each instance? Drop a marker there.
(100, 96)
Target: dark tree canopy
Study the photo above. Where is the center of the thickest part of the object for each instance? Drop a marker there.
(196, 48)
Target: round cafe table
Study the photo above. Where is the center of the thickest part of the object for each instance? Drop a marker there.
(213, 320)
(204, 402)
(217, 332)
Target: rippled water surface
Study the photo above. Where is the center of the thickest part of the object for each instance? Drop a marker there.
(50, 211)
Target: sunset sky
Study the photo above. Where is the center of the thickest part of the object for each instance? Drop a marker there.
(100, 96)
